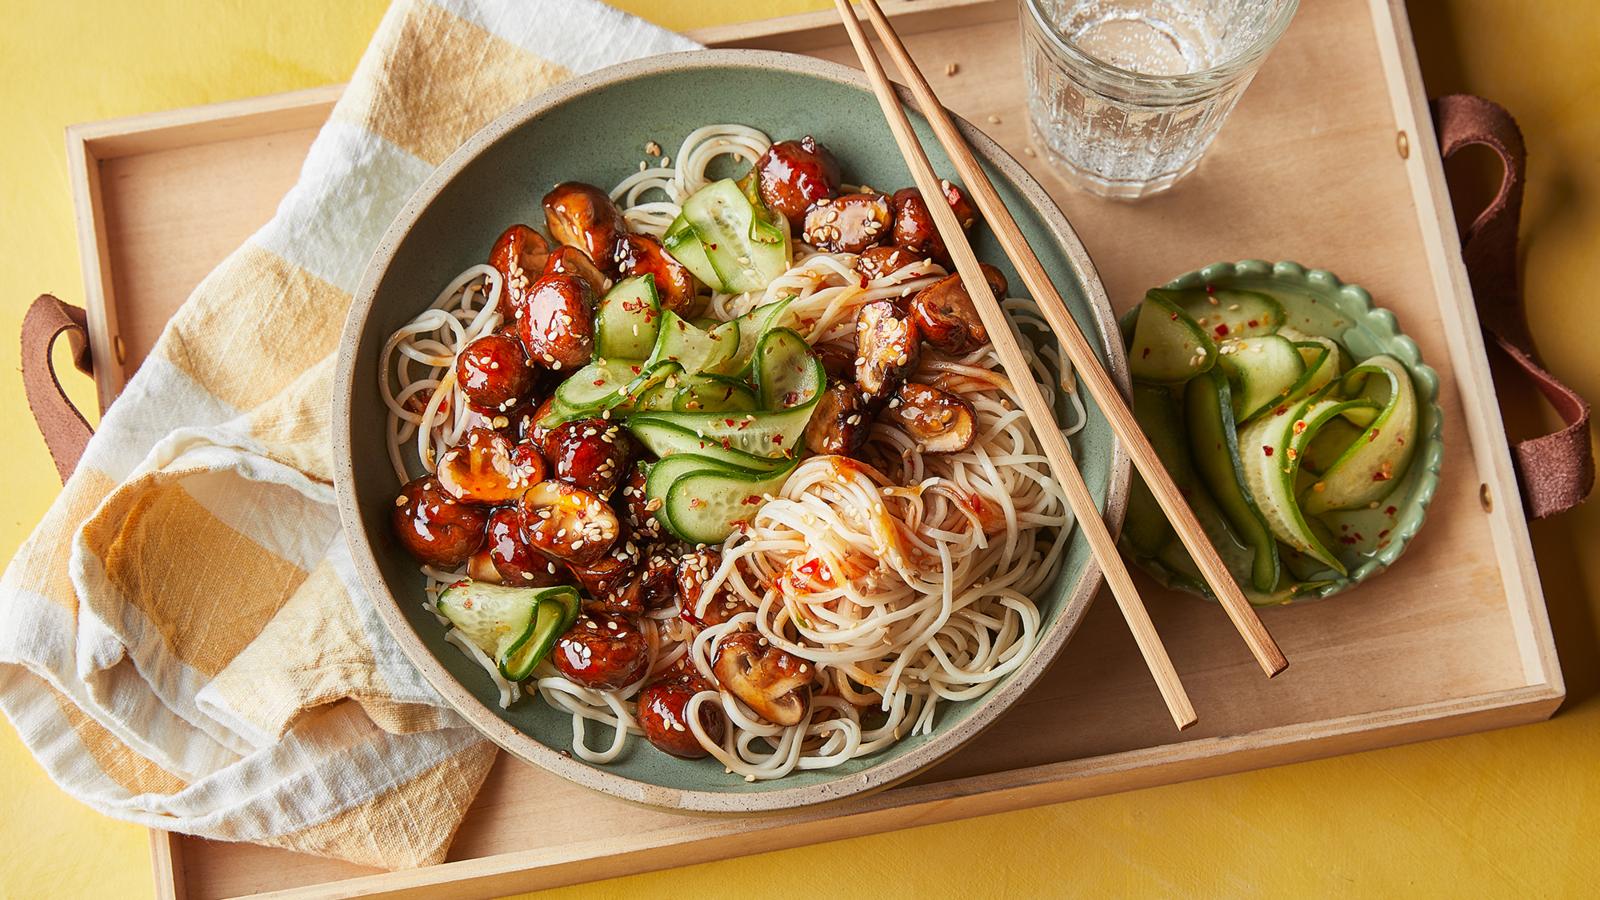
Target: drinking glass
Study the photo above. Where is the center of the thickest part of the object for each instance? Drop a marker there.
(1126, 95)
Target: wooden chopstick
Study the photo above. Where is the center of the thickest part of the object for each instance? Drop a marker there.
(1015, 363)
(1076, 346)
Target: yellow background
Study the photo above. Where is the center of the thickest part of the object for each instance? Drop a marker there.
(1512, 812)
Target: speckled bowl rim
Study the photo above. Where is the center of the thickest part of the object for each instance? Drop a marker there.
(1356, 303)
(1075, 600)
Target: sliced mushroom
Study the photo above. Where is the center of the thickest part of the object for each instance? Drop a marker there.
(568, 523)
(481, 470)
(583, 216)
(772, 682)
(842, 421)
(641, 254)
(849, 223)
(939, 421)
(887, 347)
(568, 260)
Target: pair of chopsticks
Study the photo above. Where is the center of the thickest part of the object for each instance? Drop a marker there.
(1078, 352)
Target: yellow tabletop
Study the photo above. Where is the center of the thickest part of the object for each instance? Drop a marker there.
(1510, 812)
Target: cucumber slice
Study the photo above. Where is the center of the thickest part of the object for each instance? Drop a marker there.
(627, 318)
(597, 386)
(714, 393)
(1271, 448)
(1167, 345)
(784, 374)
(660, 396)
(515, 626)
(693, 348)
(1227, 312)
(613, 385)
(763, 434)
(1146, 525)
(666, 472)
(741, 249)
(1266, 369)
(753, 325)
(744, 250)
(1324, 360)
(672, 441)
(1146, 530)
(1372, 464)
(682, 243)
(706, 505)
(1208, 412)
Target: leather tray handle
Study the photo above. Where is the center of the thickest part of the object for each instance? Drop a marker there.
(66, 432)
(1557, 469)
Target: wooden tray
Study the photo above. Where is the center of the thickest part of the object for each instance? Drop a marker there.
(1329, 161)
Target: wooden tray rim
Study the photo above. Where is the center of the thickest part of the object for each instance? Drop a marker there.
(89, 144)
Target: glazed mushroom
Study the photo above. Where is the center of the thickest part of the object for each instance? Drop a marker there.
(494, 374)
(946, 316)
(519, 255)
(583, 216)
(508, 558)
(694, 570)
(568, 523)
(842, 421)
(772, 682)
(792, 175)
(482, 470)
(613, 582)
(880, 261)
(849, 223)
(939, 421)
(887, 345)
(603, 652)
(556, 322)
(435, 527)
(593, 454)
(641, 254)
(565, 260)
(663, 715)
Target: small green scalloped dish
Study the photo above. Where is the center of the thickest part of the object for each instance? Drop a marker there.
(1317, 302)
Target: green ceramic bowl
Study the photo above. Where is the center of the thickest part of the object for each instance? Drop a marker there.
(1316, 301)
(593, 129)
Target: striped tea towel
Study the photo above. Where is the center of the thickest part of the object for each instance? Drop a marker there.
(183, 642)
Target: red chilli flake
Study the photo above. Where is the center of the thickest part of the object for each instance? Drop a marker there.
(1211, 289)
(752, 500)
(1222, 330)
(1253, 323)
(1145, 354)
(1372, 435)
(1173, 317)
(1389, 512)
(1266, 449)
(777, 439)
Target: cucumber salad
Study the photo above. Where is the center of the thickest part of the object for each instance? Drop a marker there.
(723, 457)
(1286, 447)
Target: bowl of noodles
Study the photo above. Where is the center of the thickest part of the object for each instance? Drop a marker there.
(674, 456)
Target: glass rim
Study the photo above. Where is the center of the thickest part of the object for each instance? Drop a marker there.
(1187, 83)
